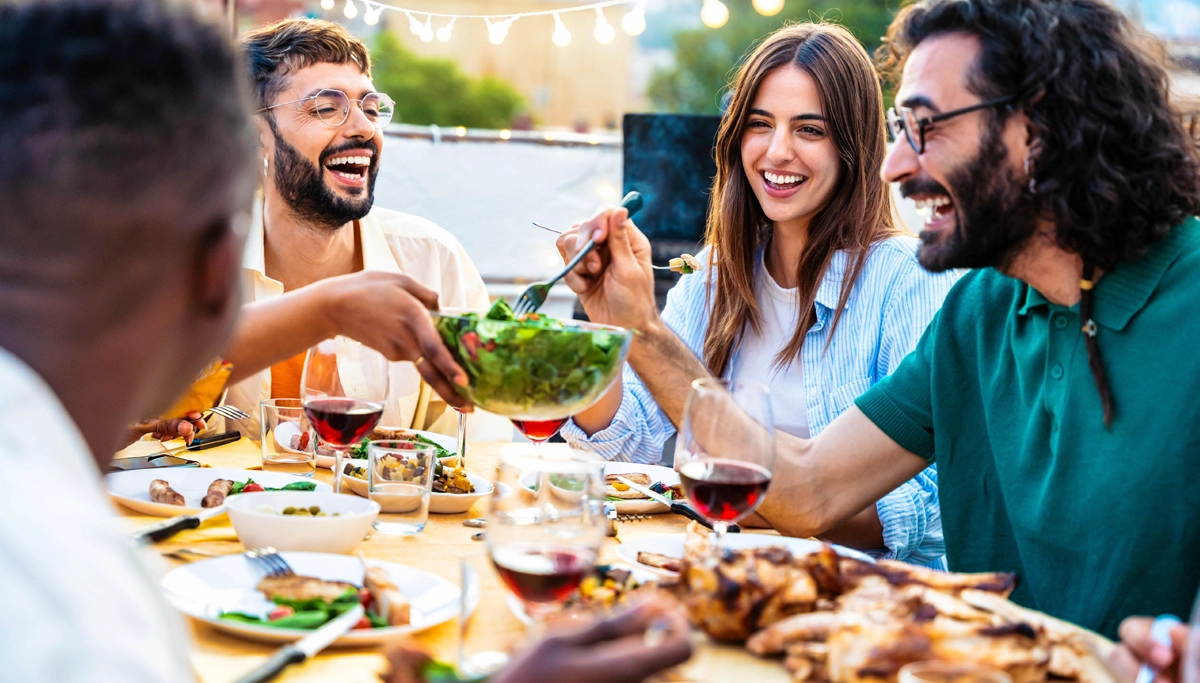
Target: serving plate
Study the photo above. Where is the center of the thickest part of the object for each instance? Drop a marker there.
(672, 545)
(204, 589)
(450, 443)
(132, 489)
(643, 506)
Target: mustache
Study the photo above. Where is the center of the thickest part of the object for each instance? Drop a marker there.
(921, 185)
(370, 144)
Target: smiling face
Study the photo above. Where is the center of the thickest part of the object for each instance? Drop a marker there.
(326, 174)
(969, 181)
(787, 151)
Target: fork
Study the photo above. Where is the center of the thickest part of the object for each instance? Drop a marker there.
(535, 295)
(559, 232)
(228, 412)
(270, 561)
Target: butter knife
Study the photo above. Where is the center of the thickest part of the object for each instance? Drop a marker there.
(675, 506)
(306, 647)
(169, 527)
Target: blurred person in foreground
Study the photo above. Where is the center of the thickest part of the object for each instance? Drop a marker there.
(1056, 388)
(128, 167)
(809, 286)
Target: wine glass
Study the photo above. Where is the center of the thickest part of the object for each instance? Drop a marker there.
(545, 526)
(1190, 667)
(344, 386)
(725, 452)
(539, 431)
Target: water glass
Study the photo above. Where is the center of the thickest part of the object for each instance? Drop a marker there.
(400, 479)
(287, 438)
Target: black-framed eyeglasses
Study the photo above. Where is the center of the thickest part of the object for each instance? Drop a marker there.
(333, 107)
(904, 120)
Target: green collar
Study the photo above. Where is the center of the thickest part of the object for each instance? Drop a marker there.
(1123, 292)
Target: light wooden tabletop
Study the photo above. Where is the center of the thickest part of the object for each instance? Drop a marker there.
(218, 657)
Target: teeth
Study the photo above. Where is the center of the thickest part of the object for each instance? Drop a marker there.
(356, 161)
(348, 176)
(782, 179)
(931, 203)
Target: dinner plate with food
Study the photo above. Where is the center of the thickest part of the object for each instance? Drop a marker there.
(629, 501)
(454, 489)
(446, 445)
(168, 492)
(609, 588)
(665, 552)
(231, 594)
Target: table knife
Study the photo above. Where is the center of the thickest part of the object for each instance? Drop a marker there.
(675, 506)
(200, 444)
(306, 647)
(169, 527)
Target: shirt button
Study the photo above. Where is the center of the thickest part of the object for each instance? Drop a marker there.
(1057, 371)
(1060, 322)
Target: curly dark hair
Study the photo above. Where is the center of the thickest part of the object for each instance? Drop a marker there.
(1113, 163)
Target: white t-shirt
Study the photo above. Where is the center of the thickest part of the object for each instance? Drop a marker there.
(76, 602)
(754, 359)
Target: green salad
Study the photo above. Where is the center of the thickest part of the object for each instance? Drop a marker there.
(534, 366)
(360, 450)
(310, 613)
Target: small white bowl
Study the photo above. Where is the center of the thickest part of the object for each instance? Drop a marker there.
(457, 503)
(257, 528)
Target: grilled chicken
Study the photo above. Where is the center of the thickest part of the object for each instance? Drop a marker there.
(161, 492)
(298, 587)
(217, 491)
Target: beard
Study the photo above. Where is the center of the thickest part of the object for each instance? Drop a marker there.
(302, 185)
(995, 216)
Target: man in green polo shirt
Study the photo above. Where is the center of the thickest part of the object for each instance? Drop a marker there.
(1058, 390)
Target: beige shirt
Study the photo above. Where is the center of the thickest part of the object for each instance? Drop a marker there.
(392, 242)
(79, 605)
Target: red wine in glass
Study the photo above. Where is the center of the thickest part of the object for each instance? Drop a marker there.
(724, 490)
(541, 573)
(539, 430)
(343, 421)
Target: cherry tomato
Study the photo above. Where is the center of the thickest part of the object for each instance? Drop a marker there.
(365, 597)
(362, 623)
(491, 345)
(472, 342)
(280, 612)
(252, 488)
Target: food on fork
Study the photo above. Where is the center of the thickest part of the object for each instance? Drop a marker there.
(685, 264)
(161, 492)
(217, 491)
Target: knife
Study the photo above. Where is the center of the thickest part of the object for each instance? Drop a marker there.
(304, 648)
(675, 506)
(169, 527)
(201, 444)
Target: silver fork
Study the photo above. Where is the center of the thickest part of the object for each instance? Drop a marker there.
(559, 232)
(535, 295)
(228, 412)
(270, 561)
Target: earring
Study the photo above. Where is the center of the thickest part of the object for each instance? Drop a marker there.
(1032, 182)
(265, 165)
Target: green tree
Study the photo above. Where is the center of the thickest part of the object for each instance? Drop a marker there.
(705, 58)
(431, 91)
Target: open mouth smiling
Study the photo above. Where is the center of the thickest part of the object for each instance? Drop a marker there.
(782, 182)
(350, 167)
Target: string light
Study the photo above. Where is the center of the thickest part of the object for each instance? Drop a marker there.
(427, 30)
(505, 134)
(604, 31)
(634, 21)
(561, 37)
(768, 8)
(414, 24)
(350, 11)
(498, 30)
(714, 13)
(327, 5)
(372, 15)
(443, 33)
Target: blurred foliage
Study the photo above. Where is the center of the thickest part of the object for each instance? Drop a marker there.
(428, 90)
(705, 58)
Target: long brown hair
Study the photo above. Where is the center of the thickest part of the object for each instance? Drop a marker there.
(859, 214)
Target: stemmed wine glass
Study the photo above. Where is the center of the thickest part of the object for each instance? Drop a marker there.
(344, 386)
(545, 531)
(539, 431)
(725, 453)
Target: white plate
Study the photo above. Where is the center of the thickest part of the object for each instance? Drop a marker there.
(132, 489)
(643, 506)
(450, 443)
(206, 588)
(672, 545)
(641, 573)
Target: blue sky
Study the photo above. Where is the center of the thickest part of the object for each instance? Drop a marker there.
(1167, 18)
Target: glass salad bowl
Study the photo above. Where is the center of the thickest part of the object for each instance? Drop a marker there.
(539, 368)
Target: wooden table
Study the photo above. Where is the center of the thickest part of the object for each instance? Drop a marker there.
(218, 657)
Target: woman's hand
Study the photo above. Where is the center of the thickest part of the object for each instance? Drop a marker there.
(1139, 647)
(186, 428)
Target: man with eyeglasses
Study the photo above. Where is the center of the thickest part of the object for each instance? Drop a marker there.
(1039, 138)
(321, 258)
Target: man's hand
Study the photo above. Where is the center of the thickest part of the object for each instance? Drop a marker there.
(186, 428)
(615, 282)
(390, 313)
(1139, 647)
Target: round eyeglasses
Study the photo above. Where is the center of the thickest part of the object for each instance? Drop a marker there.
(332, 107)
(904, 120)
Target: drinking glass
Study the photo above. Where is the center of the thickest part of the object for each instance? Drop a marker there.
(539, 431)
(544, 535)
(400, 479)
(344, 386)
(289, 443)
(1189, 669)
(951, 672)
(725, 452)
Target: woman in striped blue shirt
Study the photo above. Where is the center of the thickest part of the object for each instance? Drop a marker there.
(809, 285)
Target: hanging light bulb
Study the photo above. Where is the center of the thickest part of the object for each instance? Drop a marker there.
(372, 15)
(604, 31)
(714, 13)
(768, 8)
(561, 37)
(427, 30)
(443, 33)
(414, 24)
(498, 31)
(327, 5)
(350, 11)
(634, 21)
